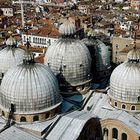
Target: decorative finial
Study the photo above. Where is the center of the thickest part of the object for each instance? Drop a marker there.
(28, 56)
(11, 42)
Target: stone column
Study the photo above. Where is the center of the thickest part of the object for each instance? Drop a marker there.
(105, 134)
(109, 134)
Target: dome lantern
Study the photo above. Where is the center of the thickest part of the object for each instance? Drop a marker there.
(28, 55)
(67, 28)
(134, 55)
(11, 42)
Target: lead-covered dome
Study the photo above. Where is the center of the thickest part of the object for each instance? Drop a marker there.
(10, 56)
(125, 83)
(102, 56)
(32, 89)
(69, 59)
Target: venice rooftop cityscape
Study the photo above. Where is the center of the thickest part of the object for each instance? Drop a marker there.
(69, 69)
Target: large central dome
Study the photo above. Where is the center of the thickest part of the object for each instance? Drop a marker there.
(69, 58)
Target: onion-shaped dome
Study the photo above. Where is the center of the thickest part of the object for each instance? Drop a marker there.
(125, 81)
(11, 41)
(71, 59)
(102, 56)
(31, 88)
(10, 56)
(67, 28)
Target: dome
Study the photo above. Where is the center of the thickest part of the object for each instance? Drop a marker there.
(102, 56)
(11, 41)
(10, 57)
(67, 28)
(32, 88)
(89, 42)
(125, 82)
(71, 59)
(134, 54)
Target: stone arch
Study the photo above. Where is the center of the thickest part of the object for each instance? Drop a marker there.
(120, 126)
(91, 130)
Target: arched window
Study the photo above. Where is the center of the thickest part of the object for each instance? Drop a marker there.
(133, 107)
(22, 119)
(114, 133)
(139, 99)
(2, 113)
(123, 106)
(124, 136)
(105, 130)
(35, 118)
(115, 103)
